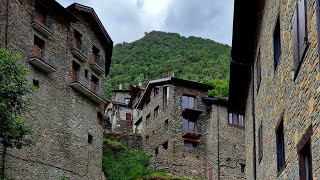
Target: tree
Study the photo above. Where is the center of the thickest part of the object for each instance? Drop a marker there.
(220, 87)
(14, 102)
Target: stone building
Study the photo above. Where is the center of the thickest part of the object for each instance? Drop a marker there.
(120, 114)
(136, 93)
(188, 133)
(274, 82)
(68, 52)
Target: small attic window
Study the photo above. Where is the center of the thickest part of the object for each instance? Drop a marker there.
(90, 139)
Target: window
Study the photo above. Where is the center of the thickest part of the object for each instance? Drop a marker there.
(75, 71)
(99, 118)
(166, 124)
(188, 102)
(299, 34)
(147, 119)
(35, 83)
(147, 139)
(243, 168)
(156, 151)
(165, 145)
(94, 84)
(156, 111)
(128, 117)
(260, 144)
(276, 44)
(90, 138)
(191, 144)
(165, 96)
(95, 54)
(86, 73)
(236, 119)
(126, 100)
(148, 100)
(38, 47)
(305, 162)
(189, 125)
(280, 147)
(41, 14)
(258, 67)
(155, 91)
(304, 154)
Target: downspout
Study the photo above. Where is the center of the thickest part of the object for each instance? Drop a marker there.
(253, 126)
(218, 143)
(2, 175)
(7, 23)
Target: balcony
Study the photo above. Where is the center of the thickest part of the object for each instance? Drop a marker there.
(82, 84)
(79, 50)
(190, 113)
(191, 130)
(40, 59)
(41, 24)
(138, 118)
(98, 64)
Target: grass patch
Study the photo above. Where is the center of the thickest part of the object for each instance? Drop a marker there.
(121, 162)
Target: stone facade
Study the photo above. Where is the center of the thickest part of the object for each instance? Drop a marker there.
(226, 143)
(165, 138)
(67, 135)
(281, 95)
(131, 140)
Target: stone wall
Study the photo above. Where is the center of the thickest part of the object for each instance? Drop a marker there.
(62, 119)
(131, 140)
(177, 158)
(281, 96)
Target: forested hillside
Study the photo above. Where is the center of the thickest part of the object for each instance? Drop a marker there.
(157, 53)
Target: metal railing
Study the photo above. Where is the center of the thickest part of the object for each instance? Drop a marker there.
(77, 44)
(42, 55)
(90, 85)
(188, 127)
(42, 20)
(99, 61)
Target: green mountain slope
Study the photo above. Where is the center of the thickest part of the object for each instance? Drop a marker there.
(157, 53)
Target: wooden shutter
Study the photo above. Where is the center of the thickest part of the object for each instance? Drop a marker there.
(295, 44)
(302, 28)
(128, 117)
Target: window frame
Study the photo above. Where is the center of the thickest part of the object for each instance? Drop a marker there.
(304, 146)
(280, 136)
(156, 112)
(277, 43)
(188, 101)
(301, 49)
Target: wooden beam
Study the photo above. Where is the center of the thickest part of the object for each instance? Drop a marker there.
(192, 140)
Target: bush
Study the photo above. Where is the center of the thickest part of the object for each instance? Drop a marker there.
(123, 163)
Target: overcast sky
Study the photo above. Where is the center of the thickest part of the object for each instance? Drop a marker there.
(127, 20)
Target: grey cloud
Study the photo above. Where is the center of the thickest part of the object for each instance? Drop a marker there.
(206, 18)
(125, 19)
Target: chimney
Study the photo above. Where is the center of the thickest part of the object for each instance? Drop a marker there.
(169, 74)
(140, 84)
(120, 86)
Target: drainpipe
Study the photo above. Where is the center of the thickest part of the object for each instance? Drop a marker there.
(253, 125)
(7, 23)
(6, 45)
(218, 143)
